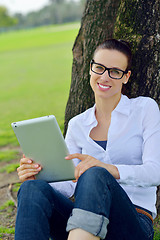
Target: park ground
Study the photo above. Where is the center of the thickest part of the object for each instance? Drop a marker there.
(35, 79)
(9, 185)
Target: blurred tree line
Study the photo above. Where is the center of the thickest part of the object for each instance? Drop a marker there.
(56, 12)
(5, 19)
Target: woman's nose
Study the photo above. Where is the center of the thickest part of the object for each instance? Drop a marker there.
(105, 75)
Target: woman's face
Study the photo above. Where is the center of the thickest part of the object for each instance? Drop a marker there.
(103, 85)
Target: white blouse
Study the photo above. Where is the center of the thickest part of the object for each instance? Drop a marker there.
(133, 146)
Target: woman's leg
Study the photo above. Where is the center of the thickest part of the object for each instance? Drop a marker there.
(42, 212)
(100, 200)
(80, 234)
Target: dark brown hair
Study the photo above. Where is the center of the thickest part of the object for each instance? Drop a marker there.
(119, 45)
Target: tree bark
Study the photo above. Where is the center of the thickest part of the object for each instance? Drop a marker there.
(97, 25)
(135, 20)
(139, 23)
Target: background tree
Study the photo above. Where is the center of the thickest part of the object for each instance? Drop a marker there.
(136, 21)
(57, 1)
(5, 19)
(56, 12)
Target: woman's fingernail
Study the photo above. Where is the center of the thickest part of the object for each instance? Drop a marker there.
(36, 165)
(29, 161)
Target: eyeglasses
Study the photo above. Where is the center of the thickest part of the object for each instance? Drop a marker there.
(112, 72)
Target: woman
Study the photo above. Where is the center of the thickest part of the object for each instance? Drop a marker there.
(115, 148)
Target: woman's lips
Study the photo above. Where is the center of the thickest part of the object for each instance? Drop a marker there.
(103, 87)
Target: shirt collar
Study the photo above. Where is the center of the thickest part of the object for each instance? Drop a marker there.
(123, 107)
(90, 118)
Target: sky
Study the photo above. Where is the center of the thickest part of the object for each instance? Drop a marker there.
(23, 6)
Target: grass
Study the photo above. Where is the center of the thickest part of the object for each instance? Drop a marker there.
(157, 228)
(157, 234)
(8, 155)
(35, 75)
(6, 231)
(9, 168)
(35, 80)
(7, 204)
(16, 187)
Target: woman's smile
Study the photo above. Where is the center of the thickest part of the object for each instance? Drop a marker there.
(103, 87)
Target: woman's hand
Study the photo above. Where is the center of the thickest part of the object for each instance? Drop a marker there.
(27, 169)
(88, 162)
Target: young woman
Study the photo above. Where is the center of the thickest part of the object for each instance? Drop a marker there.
(115, 148)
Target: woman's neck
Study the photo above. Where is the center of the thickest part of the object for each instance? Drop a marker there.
(104, 107)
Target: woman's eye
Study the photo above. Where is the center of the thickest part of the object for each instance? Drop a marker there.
(114, 71)
(99, 67)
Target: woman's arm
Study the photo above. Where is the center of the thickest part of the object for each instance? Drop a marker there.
(148, 173)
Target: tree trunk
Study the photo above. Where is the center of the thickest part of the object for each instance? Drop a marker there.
(135, 20)
(139, 22)
(97, 25)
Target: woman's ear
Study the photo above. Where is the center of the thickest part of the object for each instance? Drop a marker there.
(127, 76)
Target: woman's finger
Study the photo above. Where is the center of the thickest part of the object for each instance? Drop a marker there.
(85, 165)
(29, 167)
(28, 176)
(25, 160)
(80, 156)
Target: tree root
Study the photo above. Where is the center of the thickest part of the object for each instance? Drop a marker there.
(9, 187)
(9, 193)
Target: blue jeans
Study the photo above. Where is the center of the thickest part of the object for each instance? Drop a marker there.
(101, 207)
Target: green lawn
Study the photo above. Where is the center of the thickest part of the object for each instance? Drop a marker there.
(35, 75)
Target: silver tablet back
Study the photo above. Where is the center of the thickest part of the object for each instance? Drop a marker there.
(41, 140)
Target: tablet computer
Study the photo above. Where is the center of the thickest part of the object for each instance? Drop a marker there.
(42, 141)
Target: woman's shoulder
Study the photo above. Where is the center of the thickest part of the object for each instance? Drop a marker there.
(81, 117)
(142, 101)
(145, 105)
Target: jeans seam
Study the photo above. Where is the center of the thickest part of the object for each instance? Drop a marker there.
(100, 227)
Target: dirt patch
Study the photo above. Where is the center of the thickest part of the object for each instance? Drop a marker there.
(8, 198)
(7, 178)
(7, 216)
(8, 210)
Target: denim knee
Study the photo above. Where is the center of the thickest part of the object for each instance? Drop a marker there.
(35, 192)
(97, 174)
(94, 184)
(30, 187)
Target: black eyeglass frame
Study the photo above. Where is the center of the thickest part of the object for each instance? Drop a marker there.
(107, 69)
